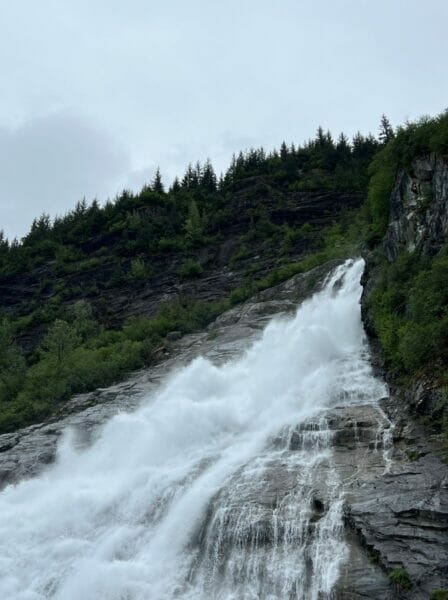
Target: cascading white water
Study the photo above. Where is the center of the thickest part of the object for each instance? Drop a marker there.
(180, 498)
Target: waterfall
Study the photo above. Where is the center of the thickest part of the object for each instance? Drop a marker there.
(222, 485)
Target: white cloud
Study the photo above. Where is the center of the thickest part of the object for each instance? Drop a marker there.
(48, 164)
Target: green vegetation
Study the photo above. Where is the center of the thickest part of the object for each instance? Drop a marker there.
(400, 579)
(138, 270)
(78, 356)
(190, 269)
(439, 595)
(12, 364)
(242, 253)
(410, 310)
(409, 306)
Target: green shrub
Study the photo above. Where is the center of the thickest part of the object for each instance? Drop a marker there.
(242, 293)
(141, 328)
(400, 579)
(292, 236)
(439, 594)
(139, 270)
(171, 244)
(21, 323)
(242, 253)
(191, 269)
(67, 254)
(86, 264)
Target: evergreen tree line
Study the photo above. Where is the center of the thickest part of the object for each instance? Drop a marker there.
(320, 163)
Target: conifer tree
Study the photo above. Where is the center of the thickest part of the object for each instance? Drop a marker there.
(329, 139)
(343, 147)
(386, 130)
(175, 186)
(81, 207)
(190, 180)
(208, 177)
(157, 185)
(39, 228)
(321, 138)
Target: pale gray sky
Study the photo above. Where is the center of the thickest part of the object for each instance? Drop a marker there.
(97, 93)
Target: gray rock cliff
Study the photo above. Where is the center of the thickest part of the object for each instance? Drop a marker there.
(419, 208)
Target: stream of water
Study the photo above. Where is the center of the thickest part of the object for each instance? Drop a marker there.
(198, 495)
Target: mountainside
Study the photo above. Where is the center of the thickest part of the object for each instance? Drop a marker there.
(347, 496)
(263, 230)
(92, 295)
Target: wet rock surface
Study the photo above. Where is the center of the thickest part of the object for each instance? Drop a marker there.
(382, 469)
(398, 510)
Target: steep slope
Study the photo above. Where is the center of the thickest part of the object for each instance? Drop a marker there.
(240, 253)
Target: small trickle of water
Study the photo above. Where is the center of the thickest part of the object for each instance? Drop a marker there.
(221, 486)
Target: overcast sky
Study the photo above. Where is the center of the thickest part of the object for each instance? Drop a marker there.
(96, 93)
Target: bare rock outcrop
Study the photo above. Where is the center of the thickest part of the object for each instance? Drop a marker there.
(419, 208)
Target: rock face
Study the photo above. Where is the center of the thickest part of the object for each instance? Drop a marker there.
(419, 208)
(405, 518)
(376, 468)
(400, 513)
